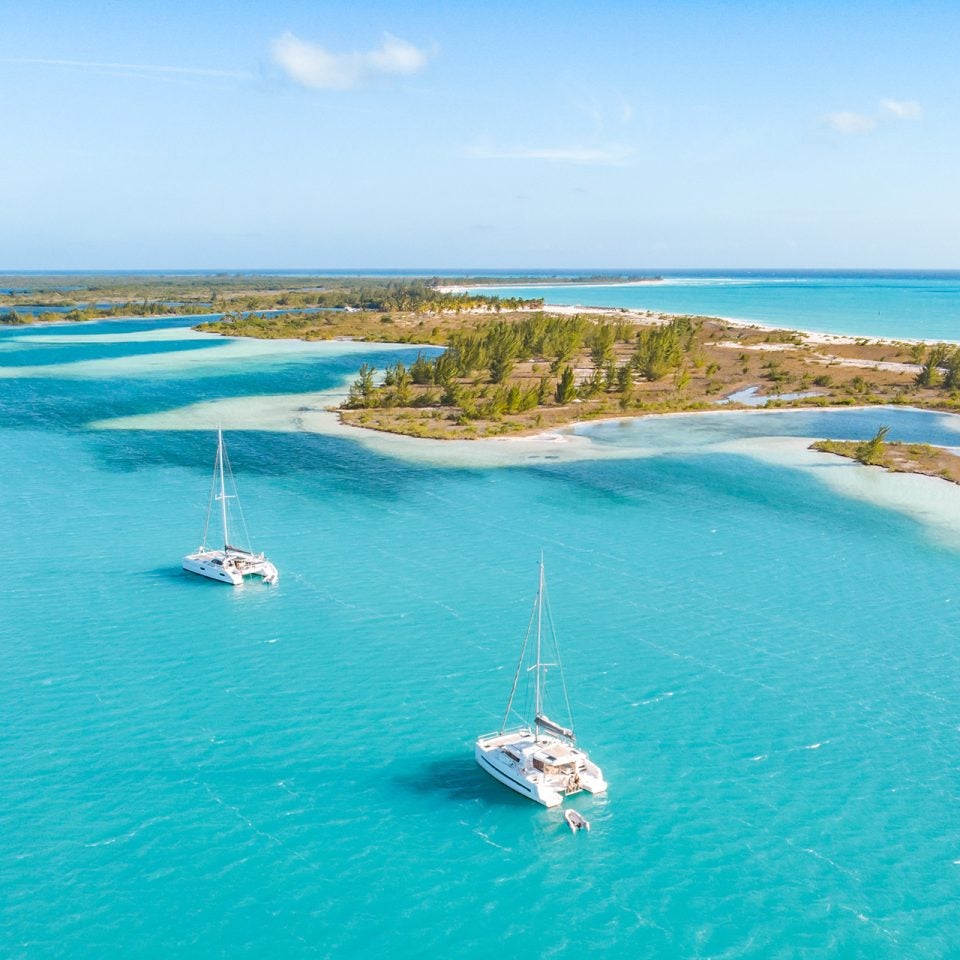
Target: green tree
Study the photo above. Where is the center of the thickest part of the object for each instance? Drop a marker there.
(593, 386)
(363, 389)
(600, 341)
(929, 375)
(660, 349)
(467, 350)
(951, 364)
(502, 350)
(398, 377)
(567, 387)
(610, 375)
(444, 368)
(565, 340)
(529, 399)
(871, 451)
(421, 371)
(451, 394)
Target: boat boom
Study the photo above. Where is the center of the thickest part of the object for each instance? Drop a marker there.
(548, 724)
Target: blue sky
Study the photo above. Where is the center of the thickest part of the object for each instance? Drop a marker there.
(416, 135)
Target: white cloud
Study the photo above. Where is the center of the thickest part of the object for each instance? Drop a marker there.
(902, 109)
(851, 123)
(606, 156)
(312, 66)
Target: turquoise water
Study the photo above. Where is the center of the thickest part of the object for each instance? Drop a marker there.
(766, 670)
(923, 306)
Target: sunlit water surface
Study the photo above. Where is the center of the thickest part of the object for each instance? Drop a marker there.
(763, 660)
(923, 305)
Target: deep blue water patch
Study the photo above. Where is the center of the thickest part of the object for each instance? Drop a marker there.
(70, 403)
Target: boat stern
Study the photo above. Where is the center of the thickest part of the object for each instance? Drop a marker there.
(591, 778)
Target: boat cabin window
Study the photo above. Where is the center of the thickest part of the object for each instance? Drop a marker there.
(545, 764)
(512, 755)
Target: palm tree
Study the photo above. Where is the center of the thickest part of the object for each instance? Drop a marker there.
(871, 451)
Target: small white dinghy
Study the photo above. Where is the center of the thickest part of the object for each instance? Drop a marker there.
(576, 821)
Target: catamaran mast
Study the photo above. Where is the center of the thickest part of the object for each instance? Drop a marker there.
(223, 487)
(537, 701)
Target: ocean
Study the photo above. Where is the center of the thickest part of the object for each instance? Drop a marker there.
(760, 646)
(897, 304)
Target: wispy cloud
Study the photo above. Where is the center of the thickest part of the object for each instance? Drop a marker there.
(144, 69)
(614, 155)
(604, 110)
(849, 123)
(852, 124)
(315, 67)
(902, 109)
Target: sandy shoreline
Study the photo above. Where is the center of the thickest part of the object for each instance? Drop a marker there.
(556, 434)
(811, 336)
(576, 428)
(931, 501)
(146, 364)
(650, 315)
(636, 314)
(466, 288)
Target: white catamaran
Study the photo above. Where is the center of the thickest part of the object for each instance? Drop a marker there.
(231, 564)
(541, 761)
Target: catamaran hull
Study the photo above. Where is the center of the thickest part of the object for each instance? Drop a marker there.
(233, 572)
(212, 571)
(491, 762)
(543, 769)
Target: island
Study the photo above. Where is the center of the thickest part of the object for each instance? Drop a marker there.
(491, 366)
(502, 367)
(895, 456)
(80, 298)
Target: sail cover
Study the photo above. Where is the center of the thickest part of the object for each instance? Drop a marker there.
(554, 727)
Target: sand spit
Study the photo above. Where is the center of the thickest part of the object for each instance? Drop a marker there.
(930, 501)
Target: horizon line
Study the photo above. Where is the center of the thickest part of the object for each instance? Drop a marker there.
(459, 271)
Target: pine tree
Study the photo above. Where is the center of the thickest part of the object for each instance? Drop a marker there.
(421, 371)
(567, 387)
